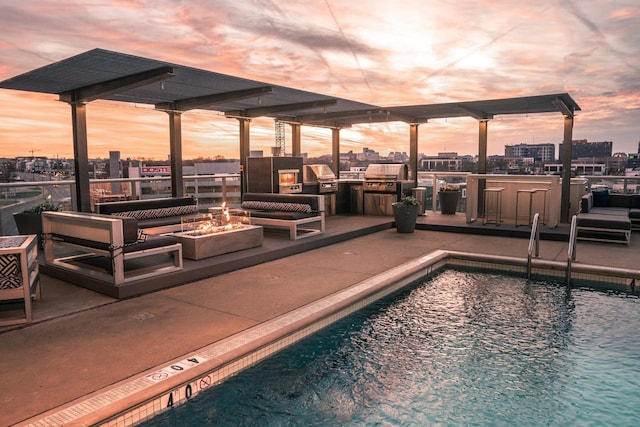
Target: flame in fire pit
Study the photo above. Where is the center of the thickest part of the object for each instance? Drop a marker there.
(210, 224)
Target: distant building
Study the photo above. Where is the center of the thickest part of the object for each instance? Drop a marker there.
(583, 149)
(577, 169)
(537, 152)
(449, 161)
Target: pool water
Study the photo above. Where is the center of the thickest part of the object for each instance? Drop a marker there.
(460, 349)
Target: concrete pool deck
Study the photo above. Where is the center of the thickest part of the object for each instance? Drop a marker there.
(103, 341)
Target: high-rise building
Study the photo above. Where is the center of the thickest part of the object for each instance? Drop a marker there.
(583, 149)
(538, 152)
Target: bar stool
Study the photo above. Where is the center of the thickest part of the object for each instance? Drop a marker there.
(529, 215)
(494, 209)
(543, 214)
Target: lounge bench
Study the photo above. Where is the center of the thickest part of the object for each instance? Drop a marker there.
(106, 248)
(608, 217)
(302, 214)
(151, 213)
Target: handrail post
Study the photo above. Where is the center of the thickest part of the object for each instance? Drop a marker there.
(571, 253)
(534, 239)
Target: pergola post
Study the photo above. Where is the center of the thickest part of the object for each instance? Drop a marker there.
(295, 140)
(482, 163)
(175, 143)
(413, 153)
(335, 150)
(566, 169)
(244, 150)
(81, 156)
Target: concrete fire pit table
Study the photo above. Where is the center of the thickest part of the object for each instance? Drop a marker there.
(197, 245)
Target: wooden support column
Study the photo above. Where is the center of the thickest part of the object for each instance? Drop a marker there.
(295, 140)
(565, 202)
(244, 150)
(175, 142)
(482, 163)
(335, 150)
(413, 153)
(81, 156)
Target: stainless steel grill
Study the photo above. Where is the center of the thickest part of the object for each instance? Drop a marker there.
(384, 177)
(321, 176)
(384, 184)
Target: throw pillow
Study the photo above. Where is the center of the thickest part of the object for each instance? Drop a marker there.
(601, 199)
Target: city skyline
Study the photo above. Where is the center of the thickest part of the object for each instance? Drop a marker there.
(405, 53)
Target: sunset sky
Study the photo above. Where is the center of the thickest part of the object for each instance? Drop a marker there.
(387, 53)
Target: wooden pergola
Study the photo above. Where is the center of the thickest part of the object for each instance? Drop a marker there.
(106, 75)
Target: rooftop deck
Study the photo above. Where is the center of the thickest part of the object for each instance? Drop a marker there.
(81, 341)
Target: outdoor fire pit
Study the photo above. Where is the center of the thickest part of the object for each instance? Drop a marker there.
(216, 233)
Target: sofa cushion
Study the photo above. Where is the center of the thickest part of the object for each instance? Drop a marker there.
(586, 203)
(282, 214)
(129, 229)
(8, 265)
(276, 206)
(10, 282)
(614, 222)
(311, 200)
(600, 198)
(610, 211)
(138, 205)
(619, 200)
(634, 213)
(173, 211)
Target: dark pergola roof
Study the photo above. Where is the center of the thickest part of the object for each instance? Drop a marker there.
(107, 75)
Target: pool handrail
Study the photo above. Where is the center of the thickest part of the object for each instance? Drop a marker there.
(571, 252)
(534, 242)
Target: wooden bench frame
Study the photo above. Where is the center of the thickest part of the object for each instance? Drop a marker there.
(102, 230)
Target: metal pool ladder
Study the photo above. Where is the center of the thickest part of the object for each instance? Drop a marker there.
(534, 242)
(571, 253)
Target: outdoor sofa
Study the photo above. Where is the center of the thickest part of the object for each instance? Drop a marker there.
(302, 214)
(151, 213)
(608, 217)
(110, 249)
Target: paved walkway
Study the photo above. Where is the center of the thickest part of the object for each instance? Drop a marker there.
(104, 341)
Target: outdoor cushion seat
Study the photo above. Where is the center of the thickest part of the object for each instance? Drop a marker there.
(610, 211)
(282, 214)
(604, 221)
(149, 242)
(634, 213)
(10, 277)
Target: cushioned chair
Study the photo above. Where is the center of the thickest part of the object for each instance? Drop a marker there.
(15, 276)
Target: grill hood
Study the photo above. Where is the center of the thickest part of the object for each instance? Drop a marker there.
(396, 171)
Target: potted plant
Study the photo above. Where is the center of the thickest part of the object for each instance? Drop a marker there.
(449, 195)
(405, 213)
(29, 221)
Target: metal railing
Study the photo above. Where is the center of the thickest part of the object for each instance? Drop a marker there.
(571, 252)
(210, 190)
(534, 243)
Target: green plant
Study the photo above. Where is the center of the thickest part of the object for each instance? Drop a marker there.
(449, 187)
(408, 201)
(47, 205)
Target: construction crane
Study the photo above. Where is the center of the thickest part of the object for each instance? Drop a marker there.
(279, 148)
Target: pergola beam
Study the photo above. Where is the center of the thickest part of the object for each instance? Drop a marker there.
(205, 101)
(107, 88)
(563, 108)
(476, 114)
(267, 111)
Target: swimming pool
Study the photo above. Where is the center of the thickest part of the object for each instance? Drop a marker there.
(462, 348)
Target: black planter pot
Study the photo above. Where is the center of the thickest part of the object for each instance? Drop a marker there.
(405, 217)
(448, 201)
(29, 223)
